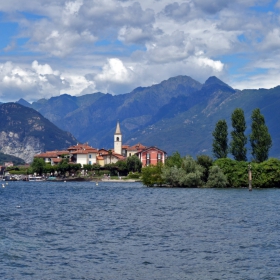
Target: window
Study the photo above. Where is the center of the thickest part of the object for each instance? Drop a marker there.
(118, 139)
(89, 156)
(148, 161)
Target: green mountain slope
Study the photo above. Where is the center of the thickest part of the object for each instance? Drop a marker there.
(190, 132)
(8, 158)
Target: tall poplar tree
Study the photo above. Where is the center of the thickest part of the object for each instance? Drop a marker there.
(239, 140)
(260, 138)
(220, 141)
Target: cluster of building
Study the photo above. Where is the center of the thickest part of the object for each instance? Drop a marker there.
(85, 154)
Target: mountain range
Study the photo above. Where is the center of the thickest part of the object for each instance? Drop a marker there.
(178, 114)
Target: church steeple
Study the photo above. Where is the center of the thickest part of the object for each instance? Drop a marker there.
(118, 139)
(118, 129)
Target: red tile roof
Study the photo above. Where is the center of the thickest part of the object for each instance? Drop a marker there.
(137, 147)
(79, 147)
(151, 148)
(57, 160)
(51, 154)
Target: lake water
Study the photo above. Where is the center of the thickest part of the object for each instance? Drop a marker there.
(127, 231)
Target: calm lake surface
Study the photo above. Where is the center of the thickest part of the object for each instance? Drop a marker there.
(127, 231)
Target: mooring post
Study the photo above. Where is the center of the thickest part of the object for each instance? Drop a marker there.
(250, 177)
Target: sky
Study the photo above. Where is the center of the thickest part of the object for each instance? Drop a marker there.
(52, 47)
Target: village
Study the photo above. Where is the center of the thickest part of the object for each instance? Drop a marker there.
(84, 154)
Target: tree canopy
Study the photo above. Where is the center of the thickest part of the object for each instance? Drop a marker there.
(239, 140)
(260, 138)
(220, 141)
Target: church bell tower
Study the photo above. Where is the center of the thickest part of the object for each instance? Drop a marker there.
(118, 139)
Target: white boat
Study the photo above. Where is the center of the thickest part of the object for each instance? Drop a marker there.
(36, 179)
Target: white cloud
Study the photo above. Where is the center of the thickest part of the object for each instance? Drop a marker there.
(114, 75)
(43, 69)
(271, 42)
(38, 81)
(177, 11)
(207, 62)
(115, 71)
(126, 43)
(211, 7)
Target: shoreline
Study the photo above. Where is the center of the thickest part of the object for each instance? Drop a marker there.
(119, 180)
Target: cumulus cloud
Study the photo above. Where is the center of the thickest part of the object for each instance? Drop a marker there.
(115, 76)
(116, 45)
(43, 69)
(37, 81)
(80, 23)
(177, 11)
(211, 7)
(271, 42)
(217, 66)
(133, 35)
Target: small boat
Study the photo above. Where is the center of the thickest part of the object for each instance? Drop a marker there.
(36, 179)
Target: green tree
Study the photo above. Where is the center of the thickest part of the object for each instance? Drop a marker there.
(217, 178)
(49, 168)
(194, 172)
(266, 174)
(235, 171)
(206, 162)
(63, 166)
(239, 140)
(38, 165)
(260, 138)
(220, 142)
(134, 164)
(174, 160)
(151, 175)
(122, 167)
(96, 168)
(188, 175)
(174, 176)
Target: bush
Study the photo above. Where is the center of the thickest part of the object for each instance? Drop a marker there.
(189, 175)
(173, 176)
(174, 160)
(266, 174)
(151, 175)
(236, 171)
(134, 175)
(217, 178)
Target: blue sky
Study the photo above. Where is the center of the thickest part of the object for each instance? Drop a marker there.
(77, 47)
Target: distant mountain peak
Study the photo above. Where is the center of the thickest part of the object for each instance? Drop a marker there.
(214, 80)
(23, 102)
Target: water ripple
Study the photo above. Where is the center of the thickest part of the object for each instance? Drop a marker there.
(126, 231)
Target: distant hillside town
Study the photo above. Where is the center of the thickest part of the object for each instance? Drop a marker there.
(84, 154)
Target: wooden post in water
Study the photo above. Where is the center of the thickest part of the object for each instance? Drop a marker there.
(250, 177)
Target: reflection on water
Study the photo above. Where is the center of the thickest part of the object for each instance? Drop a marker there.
(54, 230)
